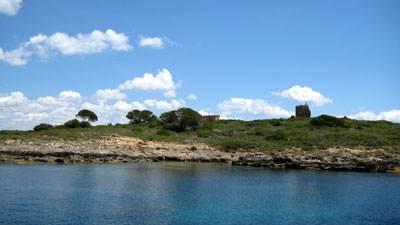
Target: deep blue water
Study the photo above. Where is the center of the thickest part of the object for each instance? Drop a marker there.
(193, 193)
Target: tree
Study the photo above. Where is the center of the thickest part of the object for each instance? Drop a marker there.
(137, 116)
(181, 119)
(87, 115)
(42, 126)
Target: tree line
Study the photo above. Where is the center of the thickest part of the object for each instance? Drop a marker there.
(176, 120)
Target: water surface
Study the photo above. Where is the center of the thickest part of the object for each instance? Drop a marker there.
(193, 193)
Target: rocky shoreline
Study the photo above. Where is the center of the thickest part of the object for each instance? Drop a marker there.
(125, 149)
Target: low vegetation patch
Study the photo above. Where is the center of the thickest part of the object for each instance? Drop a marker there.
(185, 126)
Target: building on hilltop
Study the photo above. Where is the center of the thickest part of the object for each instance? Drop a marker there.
(210, 117)
(303, 111)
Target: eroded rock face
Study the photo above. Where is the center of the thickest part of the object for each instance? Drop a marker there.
(322, 161)
(126, 149)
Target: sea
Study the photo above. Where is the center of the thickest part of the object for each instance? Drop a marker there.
(193, 193)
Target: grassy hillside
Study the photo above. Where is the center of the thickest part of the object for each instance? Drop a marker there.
(233, 135)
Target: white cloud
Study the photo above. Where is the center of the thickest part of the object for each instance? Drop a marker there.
(164, 105)
(154, 42)
(22, 113)
(251, 107)
(192, 97)
(115, 112)
(10, 7)
(16, 57)
(15, 98)
(108, 94)
(19, 112)
(170, 94)
(204, 112)
(392, 115)
(42, 45)
(162, 82)
(304, 94)
(69, 95)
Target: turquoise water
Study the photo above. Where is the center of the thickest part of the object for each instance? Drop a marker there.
(193, 193)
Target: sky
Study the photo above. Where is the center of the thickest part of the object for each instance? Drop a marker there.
(238, 59)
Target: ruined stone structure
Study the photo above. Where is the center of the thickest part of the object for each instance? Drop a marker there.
(210, 117)
(303, 111)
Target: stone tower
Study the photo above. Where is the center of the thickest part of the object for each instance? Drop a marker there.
(303, 111)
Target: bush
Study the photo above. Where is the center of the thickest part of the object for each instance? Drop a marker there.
(329, 121)
(42, 126)
(205, 133)
(207, 125)
(230, 144)
(275, 123)
(84, 124)
(137, 129)
(278, 135)
(307, 148)
(259, 131)
(75, 124)
(72, 123)
(164, 133)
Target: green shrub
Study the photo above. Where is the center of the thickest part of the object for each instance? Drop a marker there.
(204, 133)
(259, 131)
(152, 124)
(278, 135)
(207, 125)
(230, 144)
(72, 123)
(137, 129)
(275, 122)
(329, 121)
(164, 132)
(42, 126)
(307, 148)
(75, 124)
(84, 124)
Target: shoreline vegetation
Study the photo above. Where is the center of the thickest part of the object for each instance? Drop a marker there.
(319, 143)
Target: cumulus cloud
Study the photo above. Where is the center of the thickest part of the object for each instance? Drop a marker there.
(154, 42)
(162, 82)
(42, 45)
(19, 112)
(16, 57)
(192, 97)
(204, 112)
(170, 94)
(10, 7)
(164, 105)
(23, 113)
(392, 115)
(251, 107)
(108, 94)
(304, 94)
(115, 112)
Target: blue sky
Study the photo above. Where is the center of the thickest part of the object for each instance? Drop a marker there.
(240, 59)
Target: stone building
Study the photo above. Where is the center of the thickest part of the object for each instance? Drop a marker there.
(303, 111)
(210, 117)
